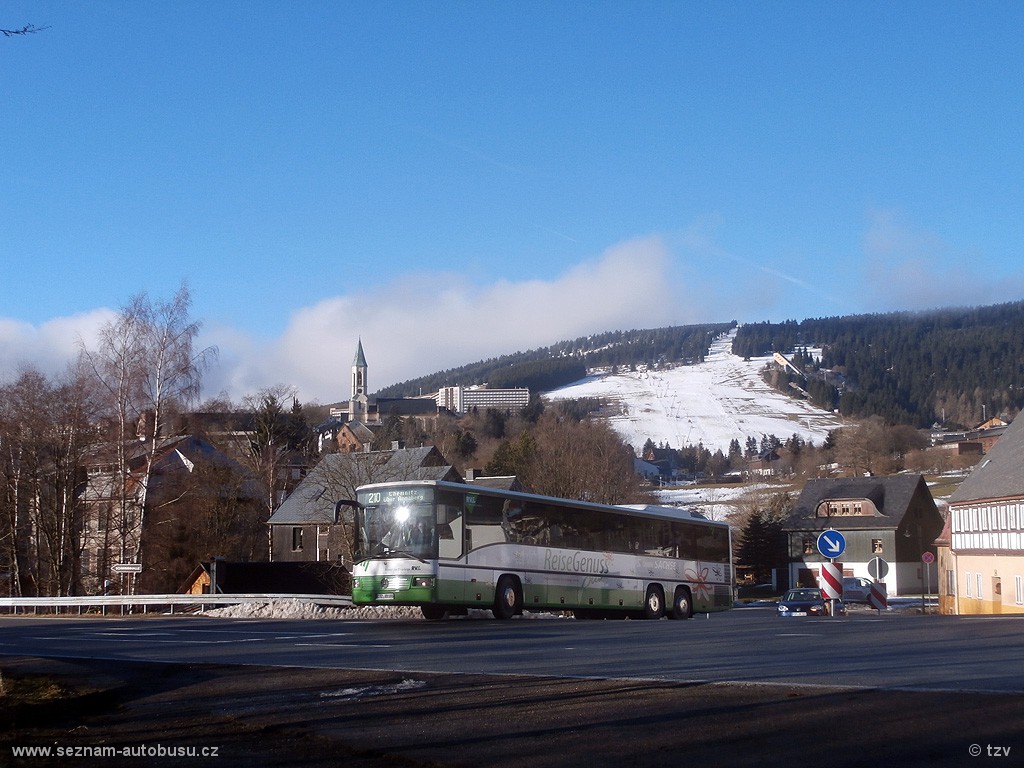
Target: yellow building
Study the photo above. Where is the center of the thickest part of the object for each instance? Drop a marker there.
(981, 550)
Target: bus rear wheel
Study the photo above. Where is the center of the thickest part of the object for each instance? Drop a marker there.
(508, 599)
(682, 605)
(654, 602)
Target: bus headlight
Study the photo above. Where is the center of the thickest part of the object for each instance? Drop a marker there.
(423, 581)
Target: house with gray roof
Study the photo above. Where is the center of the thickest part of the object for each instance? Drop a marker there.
(893, 518)
(981, 551)
(304, 527)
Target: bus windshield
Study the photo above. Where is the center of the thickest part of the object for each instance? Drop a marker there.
(397, 528)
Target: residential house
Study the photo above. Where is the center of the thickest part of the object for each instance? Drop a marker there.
(973, 443)
(765, 464)
(665, 461)
(893, 518)
(304, 527)
(981, 553)
(153, 522)
(354, 437)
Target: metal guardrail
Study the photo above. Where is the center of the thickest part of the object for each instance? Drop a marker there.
(128, 603)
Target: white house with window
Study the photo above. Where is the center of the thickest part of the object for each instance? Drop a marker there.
(981, 549)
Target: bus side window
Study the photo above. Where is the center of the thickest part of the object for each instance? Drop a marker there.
(484, 522)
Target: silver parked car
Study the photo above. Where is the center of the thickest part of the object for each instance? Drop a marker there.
(856, 589)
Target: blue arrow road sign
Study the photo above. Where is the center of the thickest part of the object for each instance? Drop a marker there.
(831, 543)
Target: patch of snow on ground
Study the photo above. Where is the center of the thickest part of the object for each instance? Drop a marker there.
(716, 502)
(714, 402)
(374, 690)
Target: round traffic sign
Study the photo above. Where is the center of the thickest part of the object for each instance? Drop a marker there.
(928, 557)
(877, 568)
(831, 543)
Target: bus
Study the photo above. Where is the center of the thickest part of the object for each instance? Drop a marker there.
(448, 547)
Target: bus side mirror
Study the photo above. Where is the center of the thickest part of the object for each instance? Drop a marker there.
(341, 504)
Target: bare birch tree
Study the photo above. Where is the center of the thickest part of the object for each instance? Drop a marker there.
(146, 363)
(44, 433)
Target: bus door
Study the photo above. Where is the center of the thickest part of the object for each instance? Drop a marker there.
(451, 547)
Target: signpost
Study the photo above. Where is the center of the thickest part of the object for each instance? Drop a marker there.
(129, 571)
(927, 558)
(832, 544)
(878, 568)
(832, 580)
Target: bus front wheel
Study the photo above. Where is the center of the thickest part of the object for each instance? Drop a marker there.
(682, 605)
(508, 600)
(654, 602)
(432, 612)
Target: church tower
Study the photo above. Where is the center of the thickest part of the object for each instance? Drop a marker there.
(358, 407)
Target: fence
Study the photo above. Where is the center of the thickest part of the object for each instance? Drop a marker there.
(130, 603)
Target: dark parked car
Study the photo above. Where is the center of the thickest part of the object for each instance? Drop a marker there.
(807, 601)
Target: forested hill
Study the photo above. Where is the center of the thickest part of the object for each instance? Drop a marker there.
(956, 366)
(552, 367)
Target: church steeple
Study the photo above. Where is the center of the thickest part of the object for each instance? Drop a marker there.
(360, 360)
(358, 405)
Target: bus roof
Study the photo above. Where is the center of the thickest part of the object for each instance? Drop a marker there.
(651, 509)
(642, 510)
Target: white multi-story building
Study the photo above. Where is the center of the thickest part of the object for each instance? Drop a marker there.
(461, 399)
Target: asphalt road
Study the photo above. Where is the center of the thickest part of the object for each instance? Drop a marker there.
(751, 646)
(744, 688)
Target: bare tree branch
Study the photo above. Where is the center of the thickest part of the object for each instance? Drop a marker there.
(28, 29)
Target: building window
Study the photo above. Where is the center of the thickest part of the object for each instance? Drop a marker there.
(951, 583)
(968, 582)
(296, 539)
(1019, 585)
(808, 546)
(876, 546)
(980, 592)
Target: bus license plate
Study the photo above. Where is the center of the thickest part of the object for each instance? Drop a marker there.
(385, 596)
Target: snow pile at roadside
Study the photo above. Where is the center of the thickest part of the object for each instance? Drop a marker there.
(297, 609)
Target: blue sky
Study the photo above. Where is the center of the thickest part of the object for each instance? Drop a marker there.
(455, 181)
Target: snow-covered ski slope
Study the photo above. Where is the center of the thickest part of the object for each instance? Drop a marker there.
(709, 403)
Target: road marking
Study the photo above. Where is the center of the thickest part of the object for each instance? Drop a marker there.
(341, 645)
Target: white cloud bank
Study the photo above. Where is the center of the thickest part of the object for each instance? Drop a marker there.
(412, 326)
(421, 324)
(50, 347)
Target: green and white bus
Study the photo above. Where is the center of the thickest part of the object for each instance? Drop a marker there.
(447, 547)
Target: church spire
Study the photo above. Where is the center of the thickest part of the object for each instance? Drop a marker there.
(358, 407)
